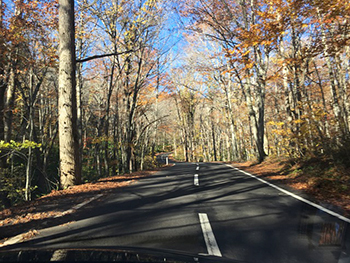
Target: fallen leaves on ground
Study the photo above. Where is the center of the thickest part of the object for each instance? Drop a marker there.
(23, 218)
(68, 223)
(30, 234)
(89, 187)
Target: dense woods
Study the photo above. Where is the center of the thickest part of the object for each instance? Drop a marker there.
(209, 80)
(274, 76)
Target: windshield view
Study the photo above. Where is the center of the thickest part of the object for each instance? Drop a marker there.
(175, 131)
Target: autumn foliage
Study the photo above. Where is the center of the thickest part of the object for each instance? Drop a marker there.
(282, 68)
(243, 80)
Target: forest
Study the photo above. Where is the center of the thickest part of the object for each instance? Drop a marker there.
(208, 80)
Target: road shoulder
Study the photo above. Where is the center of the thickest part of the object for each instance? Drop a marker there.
(274, 171)
(24, 221)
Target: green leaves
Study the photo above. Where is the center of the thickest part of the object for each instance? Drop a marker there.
(17, 146)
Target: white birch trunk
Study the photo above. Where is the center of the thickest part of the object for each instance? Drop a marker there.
(70, 167)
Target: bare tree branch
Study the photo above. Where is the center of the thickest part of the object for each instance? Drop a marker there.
(103, 56)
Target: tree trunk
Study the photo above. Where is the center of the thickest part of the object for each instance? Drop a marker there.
(70, 166)
(333, 89)
(231, 119)
(346, 98)
(107, 120)
(214, 140)
(27, 193)
(8, 106)
(175, 145)
(2, 74)
(79, 87)
(79, 84)
(256, 120)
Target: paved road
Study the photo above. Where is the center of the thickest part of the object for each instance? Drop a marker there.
(208, 208)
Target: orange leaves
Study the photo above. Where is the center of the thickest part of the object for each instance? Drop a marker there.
(249, 65)
(246, 52)
(29, 23)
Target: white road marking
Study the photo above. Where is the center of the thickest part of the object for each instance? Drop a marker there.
(59, 255)
(86, 202)
(197, 168)
(19, 238)
(78, 206)
(330, 212)
(13, 240)
(209, 237)
(196, 181)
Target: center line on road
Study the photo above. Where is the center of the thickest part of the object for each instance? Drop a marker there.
(196, 181)
(197, 168)
(209, 237)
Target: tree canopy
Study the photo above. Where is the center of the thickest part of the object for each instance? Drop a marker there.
(209, 80)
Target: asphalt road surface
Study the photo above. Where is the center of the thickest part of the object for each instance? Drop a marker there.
(208, 208)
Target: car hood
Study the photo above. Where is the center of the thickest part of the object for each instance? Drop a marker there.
(105, 254)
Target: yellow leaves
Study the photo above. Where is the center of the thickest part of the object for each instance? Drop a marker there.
(99, 140)
(278, 128)
(227, 71)
(249, 65)
(150, 3)
(246, 53)
(285, 133)
(298, 121)
(239, 50)
(118, 8)
(279, 124)
(273, 77)
(266, 42)
(17, 146)
(19, 98)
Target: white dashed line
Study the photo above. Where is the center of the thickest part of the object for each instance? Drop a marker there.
(196, 180)
(209, 237)
(197, 168)
(330, 212)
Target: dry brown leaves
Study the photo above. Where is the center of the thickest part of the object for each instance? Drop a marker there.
(101, 185)
(88, 188)
(68, 223)
(265, 168)
(30, 234)
(20, 219)
(300, 186)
